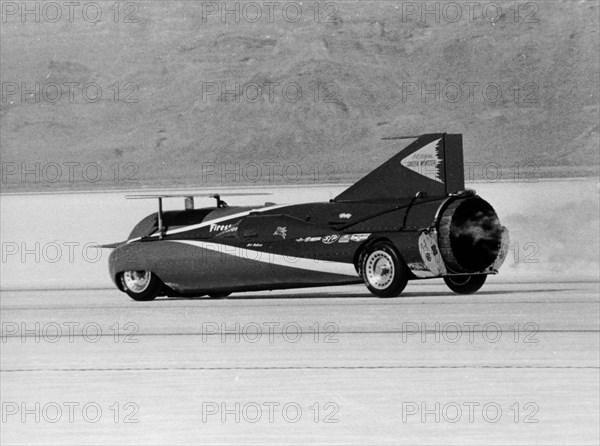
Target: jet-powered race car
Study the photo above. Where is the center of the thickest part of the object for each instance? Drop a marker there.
(411, 218)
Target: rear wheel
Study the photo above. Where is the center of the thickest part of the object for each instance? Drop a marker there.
(465, 284)
(385, 274)
(141, 285)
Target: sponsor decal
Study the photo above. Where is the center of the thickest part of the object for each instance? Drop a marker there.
(345, 215)
(254, 245)
(344, 238)
(329, 239)
(281, 230)
(359, 237)
(426, 161)
(229, 232)
(216, 227)
(308, 239)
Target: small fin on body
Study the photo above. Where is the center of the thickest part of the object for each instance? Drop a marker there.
(112, 245)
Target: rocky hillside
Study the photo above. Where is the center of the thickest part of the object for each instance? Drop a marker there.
(180, 93)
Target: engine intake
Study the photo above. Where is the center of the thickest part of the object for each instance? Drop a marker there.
(470, 235)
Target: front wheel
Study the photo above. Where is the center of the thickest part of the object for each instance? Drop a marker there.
(465, 284)
(141, 285)
(385, 274)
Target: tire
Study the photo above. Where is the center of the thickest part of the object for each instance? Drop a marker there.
(219, 295)
(465, 284)
(385, 274)
(141, 285)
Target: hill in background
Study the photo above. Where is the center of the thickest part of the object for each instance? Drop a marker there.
(522, 86)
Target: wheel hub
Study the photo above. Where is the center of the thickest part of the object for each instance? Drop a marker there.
(380, 269)
(136, 281)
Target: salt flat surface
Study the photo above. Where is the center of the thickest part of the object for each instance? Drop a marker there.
(362, 370)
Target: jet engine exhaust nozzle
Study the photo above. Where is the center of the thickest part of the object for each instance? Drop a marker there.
(470, 235)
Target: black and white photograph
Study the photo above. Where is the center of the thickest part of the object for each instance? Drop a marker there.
(345, 222)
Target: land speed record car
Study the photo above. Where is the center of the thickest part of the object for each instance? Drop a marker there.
(409, 219)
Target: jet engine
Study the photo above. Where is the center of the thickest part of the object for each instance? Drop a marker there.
(470, 235)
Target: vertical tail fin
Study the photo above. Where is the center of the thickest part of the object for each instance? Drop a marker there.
(432, 164)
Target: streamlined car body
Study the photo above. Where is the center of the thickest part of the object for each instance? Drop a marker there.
(411, 218)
